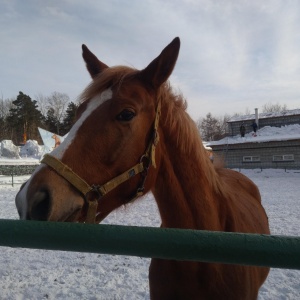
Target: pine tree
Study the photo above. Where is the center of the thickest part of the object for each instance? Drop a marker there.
(69, 118)
(52, 123)
(24, 118)
(2, 129)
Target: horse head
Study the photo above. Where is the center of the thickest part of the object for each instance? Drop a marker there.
(112, 152)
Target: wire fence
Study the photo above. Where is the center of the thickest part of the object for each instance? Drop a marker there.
(12, 174)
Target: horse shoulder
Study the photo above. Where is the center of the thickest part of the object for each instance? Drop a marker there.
(237, 180)
(245, 212)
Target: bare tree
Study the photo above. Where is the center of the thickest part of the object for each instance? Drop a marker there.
(58, 102)
(247, 111)
(270, 107)
(5, 106)
(223, 124)
(43, 104)
(211, 128)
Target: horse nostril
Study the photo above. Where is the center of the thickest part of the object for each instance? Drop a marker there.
(41, 203)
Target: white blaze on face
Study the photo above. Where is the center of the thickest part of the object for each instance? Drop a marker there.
(92, 105)
(59, 151)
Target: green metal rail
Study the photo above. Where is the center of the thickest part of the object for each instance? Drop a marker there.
(178, 244)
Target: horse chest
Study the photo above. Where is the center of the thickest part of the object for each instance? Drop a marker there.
(175, 280)
(191, 280)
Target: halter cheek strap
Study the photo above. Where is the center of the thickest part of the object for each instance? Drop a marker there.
(93, 193)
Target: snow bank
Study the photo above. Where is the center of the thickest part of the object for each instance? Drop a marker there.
(32, 149)
(8, 149)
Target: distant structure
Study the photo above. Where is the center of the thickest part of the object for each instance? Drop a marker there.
(276, 119)
(275, 145)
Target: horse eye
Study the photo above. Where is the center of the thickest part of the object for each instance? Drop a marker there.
(125, 115)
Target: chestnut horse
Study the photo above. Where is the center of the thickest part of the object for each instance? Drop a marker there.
(133, 135)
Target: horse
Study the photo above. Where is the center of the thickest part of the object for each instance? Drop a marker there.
(133, 135)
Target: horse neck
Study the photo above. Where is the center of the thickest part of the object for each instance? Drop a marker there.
(187, 183)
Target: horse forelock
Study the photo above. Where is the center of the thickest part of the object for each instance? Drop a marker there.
(110, 78)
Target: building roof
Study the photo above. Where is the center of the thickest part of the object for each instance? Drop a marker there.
(265, 115)
(265, 134)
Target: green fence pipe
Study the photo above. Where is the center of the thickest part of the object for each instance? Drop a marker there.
(178, 244)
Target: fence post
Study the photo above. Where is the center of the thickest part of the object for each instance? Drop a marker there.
(12, 175)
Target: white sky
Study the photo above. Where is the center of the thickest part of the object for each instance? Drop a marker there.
(235, 55)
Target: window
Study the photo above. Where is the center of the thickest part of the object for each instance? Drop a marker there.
(251, 158)
(286, 157)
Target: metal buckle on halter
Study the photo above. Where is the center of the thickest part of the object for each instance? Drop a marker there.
(93, 191)
(146, 162)
(92, 197)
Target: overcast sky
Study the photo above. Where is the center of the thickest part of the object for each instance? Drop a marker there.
(235, 55)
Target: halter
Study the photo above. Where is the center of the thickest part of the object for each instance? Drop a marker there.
(93, 193)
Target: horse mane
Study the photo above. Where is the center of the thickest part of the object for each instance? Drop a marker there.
(189, 141)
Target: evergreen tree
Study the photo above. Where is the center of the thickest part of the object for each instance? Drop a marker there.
(2, 129)
(52, 123)
(69, 118)
(24, 118)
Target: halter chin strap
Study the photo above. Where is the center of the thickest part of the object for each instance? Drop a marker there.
(93, 193)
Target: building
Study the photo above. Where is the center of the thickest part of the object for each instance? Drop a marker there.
(276, 144)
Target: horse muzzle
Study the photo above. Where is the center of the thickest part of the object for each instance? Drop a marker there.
(43, 201)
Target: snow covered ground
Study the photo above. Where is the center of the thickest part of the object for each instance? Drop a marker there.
(36, 274)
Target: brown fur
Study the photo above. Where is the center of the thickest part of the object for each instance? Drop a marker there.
(189, 190)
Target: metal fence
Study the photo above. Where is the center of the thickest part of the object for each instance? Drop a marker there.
(178, 244)
(10, 172)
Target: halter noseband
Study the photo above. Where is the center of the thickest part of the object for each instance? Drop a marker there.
(93, 193)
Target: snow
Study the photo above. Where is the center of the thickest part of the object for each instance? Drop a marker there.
(266, 115)
(265, 134)
(31, 149)
(30, 153)
(39, 274)
(8, 149)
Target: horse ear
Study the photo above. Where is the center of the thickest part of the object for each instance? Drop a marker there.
(93, 64)
(159, 70)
